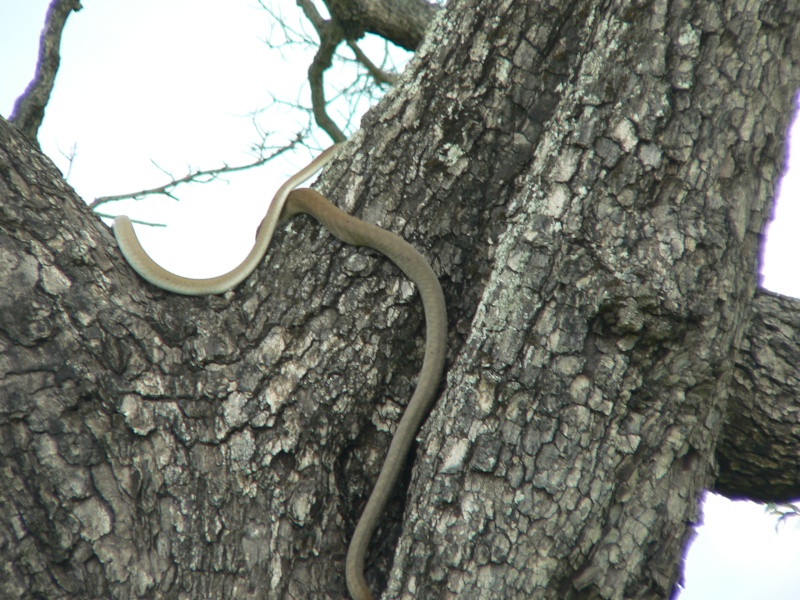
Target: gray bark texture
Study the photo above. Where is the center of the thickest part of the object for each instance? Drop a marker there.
(589, 179)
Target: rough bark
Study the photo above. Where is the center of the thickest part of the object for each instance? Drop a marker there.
(567, 454)
(760, 443)
(589, 180)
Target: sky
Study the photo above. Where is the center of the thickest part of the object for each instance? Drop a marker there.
(175, 83)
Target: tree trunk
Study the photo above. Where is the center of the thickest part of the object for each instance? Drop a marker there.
(589, 180)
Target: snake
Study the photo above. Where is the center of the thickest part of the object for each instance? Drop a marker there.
(287, 202)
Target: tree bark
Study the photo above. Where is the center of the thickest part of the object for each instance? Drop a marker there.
(760, 443)
(590, 181)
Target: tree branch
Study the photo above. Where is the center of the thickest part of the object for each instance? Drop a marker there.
(330, 35)
(378, 74)
(758, 449)
(195, 176)
(29, 108)
(402, 22)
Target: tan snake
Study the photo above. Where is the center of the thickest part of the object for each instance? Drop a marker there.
(287, 203)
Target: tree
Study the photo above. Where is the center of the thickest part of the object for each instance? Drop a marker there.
(589, 181)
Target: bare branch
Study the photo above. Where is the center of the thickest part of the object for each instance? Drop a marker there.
(194, 176)
(330, 35)
(379, 75)
(70, 156)
(368, 84)
(291, 36)
(312, 14)
(137, 221)
(29, 108)
(403, 22)
(784, 511)
(322, 61)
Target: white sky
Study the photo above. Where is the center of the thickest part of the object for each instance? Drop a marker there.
(173, 81)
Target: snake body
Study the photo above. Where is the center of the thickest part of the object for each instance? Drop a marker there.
(287, 203)
(151, 271)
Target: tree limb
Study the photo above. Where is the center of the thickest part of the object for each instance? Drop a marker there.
(403, 22)
(330, 35)
(378, 74)
(758, 450)
(29, 108)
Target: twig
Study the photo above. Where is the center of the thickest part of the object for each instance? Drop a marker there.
(196, 176)
(138, 221)
(379, 75)
(70, 156)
